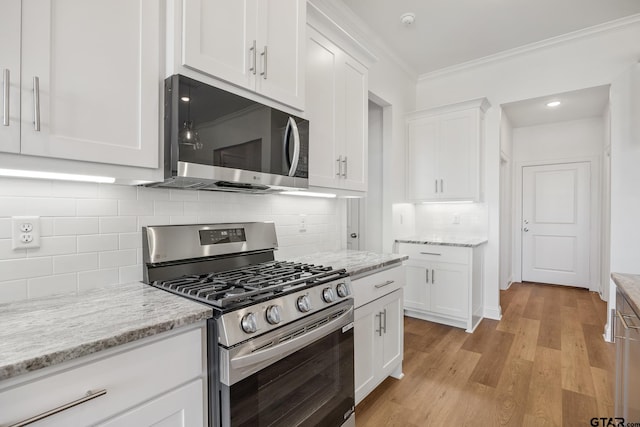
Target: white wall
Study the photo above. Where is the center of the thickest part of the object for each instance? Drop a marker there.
(437, 219)
(506, 203)
(373, 202)
(565, 64)
(91, 233)
(575, 140)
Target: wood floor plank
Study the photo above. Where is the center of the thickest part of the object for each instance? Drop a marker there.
(544, 397)
(492, 362)
(442, 366)
(577, 409)
(576, 372)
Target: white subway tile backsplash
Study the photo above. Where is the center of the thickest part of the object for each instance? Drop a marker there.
(97, 243)
(135, 207)
(74, 226)
(25, 268)
(73, 263)
(6, 252)
(162, 208)
(130, 240)
(15, 290)
(97, 207)
(52, 285)
(119, 224)
(37, 206)
(118, 258)
(59, 245)
(130, 274)
(92, 232)
(88, 280)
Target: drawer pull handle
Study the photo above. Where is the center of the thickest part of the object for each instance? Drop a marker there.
(430, 253)
(623, 319)
(90, 395)
(382, 285)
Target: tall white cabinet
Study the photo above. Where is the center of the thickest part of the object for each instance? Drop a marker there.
(337, 108)
(443, 152)
(87, 79)
(254, 44)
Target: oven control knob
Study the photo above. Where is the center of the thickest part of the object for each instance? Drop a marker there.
(249, 323)
(304, 303)
(342, 290)
(327, 295)
(273, 314)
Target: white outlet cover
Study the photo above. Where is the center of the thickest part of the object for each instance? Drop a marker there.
(25, 232)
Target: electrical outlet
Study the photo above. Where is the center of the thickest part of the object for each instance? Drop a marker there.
(302, 224)
(25, 232)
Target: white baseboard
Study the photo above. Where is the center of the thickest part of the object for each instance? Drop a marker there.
(494, 313)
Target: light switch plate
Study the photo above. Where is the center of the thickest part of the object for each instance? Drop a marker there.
(25, 232)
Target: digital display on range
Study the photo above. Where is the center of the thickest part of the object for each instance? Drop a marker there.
(227, 235)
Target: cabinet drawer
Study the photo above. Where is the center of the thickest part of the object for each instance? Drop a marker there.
(376, 285)
(436, 253)
(129, 378)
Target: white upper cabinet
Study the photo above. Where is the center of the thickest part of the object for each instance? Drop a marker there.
(254, 44)
(90, 80)
(337, 93)
(10, 76)
(444, 146)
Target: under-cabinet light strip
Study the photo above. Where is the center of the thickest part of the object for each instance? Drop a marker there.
(55, 175)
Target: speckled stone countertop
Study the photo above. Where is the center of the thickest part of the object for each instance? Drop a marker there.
(357, 263)
(42, 332)
(629, 284)
(468, 242)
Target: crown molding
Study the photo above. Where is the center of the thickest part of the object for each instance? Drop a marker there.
(352, 26)
(521, 50)
(481, 103)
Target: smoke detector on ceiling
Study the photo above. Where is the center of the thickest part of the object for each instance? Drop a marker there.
(407, 18)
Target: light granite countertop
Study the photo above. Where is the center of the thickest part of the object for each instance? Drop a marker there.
(629, 284)
(468, 242)
(357, 263)
(42, 332)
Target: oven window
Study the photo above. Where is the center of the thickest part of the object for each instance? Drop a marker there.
(311, 387)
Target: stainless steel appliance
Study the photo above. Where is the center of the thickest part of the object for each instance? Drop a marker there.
(216, 140)
(280, 344)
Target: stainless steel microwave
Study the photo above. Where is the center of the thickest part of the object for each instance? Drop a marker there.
(216, 140)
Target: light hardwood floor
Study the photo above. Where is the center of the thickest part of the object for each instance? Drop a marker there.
(544, 364)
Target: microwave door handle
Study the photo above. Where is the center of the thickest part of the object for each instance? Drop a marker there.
(291, 124)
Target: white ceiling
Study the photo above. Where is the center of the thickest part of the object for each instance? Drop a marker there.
(575, 105)
(450, 32)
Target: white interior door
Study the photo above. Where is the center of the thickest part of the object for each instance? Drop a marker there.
(555, 224)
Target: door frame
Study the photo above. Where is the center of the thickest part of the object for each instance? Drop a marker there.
(595, 221)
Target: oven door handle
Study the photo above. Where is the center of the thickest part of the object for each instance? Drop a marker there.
(246, 365)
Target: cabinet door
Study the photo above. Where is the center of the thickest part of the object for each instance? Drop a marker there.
(450, 290)
(422, 180)
(280, 56)
(182, 407)
(393, 330)
(218, 38)
(366, 341)
(323, 61)
(10, 76)
(416, 289)
(458, 156)
(98, 68)
(354, 133)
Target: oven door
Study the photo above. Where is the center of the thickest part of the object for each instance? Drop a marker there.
(300, 374)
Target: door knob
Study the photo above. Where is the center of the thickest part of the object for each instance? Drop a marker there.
(526, 221)
(526, 229)
(354, 235)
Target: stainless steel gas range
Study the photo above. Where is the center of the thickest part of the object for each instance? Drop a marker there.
(280, 344)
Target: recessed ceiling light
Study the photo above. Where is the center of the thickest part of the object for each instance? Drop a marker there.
(407, 18)
(185, 99)
(553, 103)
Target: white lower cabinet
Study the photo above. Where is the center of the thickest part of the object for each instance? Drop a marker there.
(444, 284)
(378, 329)
(158, 381)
